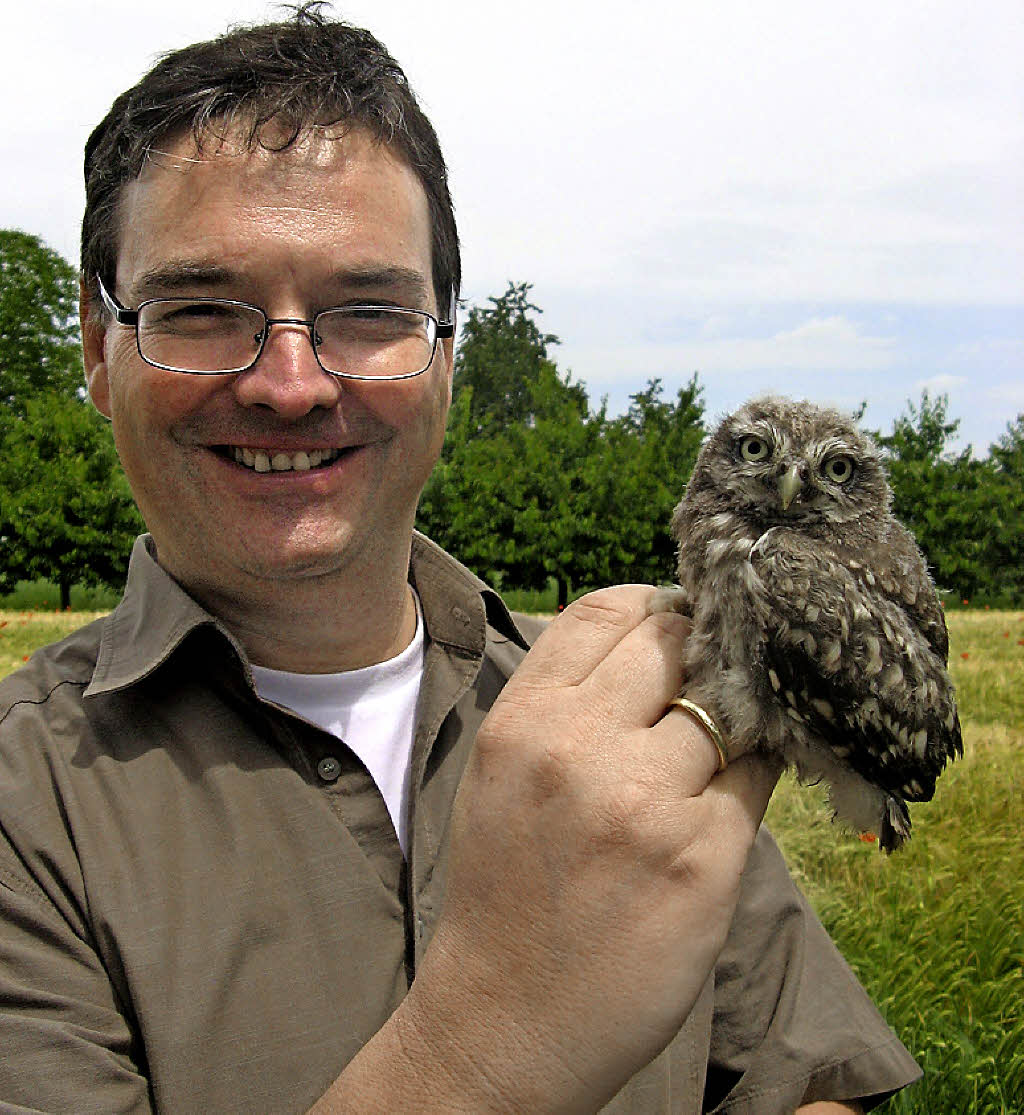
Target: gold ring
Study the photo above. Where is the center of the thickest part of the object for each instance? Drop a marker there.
(707, 722)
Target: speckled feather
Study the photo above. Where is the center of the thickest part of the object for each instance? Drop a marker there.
(818, 635)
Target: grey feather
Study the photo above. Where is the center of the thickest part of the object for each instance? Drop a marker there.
(818, 634)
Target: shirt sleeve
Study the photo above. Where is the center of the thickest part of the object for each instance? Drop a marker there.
(66, 1044)
(791, 1022)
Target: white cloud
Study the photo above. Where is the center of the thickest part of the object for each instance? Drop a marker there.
(826, 345)
(720, 158)
(835, 333)
(1009, 395)
(940, 384)
(996, 353)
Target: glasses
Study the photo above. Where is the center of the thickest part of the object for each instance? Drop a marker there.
(218, 336)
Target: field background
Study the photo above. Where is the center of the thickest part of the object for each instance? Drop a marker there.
(935, 932)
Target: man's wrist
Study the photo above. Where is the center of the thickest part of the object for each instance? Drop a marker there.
(415, 1062)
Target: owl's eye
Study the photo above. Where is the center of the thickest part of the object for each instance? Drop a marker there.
(839, 469)
(754, 448)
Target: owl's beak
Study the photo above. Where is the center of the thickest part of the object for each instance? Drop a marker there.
(790, 483)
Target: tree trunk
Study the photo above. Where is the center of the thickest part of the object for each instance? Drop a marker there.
(563, 592)
(65, 596)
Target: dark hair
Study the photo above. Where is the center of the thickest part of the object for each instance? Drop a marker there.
(299, 74)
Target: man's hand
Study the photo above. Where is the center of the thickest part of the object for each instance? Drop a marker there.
(595, 865)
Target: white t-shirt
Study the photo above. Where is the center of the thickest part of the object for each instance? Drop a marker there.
(372, 710)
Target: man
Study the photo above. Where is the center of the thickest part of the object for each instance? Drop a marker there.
(234, 872)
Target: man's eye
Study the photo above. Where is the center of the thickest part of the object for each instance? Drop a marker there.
(369, 313)
(196, 317)
(200, 311)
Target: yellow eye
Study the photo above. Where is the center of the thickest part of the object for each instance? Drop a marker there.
(754, 448)
(839, 469)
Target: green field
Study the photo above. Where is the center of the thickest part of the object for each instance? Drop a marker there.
(935, 932)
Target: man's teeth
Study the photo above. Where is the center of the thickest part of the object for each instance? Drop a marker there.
(269, 461)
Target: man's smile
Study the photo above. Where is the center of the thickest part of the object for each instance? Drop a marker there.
(279, 460)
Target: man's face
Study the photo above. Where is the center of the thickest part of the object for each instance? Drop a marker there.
(324, 223)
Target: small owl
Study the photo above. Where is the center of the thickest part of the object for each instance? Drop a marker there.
(817, 632)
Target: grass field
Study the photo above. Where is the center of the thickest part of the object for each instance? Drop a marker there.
(935, 932)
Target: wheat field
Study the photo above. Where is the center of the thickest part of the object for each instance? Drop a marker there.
(936, 931)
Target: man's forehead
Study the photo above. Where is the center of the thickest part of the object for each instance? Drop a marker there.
(341, 207)
(274, 149)
(322, 174)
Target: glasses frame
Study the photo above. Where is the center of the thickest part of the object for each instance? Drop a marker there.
(125, 316)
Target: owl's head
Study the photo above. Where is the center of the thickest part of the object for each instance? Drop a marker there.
(777, 462)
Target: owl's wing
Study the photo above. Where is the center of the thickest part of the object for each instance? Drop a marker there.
(851, 657)
(904, 577)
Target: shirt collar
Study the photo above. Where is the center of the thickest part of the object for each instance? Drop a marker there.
(156, 614)
(153, 619)
(456, 603)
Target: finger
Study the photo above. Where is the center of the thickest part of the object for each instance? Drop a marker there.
(688, 752)
(635, 681)
(583, 636)
(745, 787)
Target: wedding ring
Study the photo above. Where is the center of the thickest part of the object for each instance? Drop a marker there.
(705, 719)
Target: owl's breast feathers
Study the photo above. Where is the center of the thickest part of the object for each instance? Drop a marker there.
(856, 653)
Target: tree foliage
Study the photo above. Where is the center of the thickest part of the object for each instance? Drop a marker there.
(967, 514)
(503, 361)
(66, 513)
(40, 346)
(534, 485)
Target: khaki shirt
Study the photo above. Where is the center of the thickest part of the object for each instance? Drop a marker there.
(204, 907)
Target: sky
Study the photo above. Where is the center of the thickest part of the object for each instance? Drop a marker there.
(819, 199)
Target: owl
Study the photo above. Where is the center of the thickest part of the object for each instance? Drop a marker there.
(817, 634)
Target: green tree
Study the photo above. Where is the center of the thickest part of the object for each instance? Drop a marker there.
(39, 337)
(923, 433)
(66, 512)
(503, 359)
(512, 503)
(532, 485)
(1008, 451)
(964, 512)
(651, 452)
(1006, 543)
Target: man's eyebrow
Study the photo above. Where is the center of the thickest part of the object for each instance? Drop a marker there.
(402, 280)
(185, 275)
(181, 275)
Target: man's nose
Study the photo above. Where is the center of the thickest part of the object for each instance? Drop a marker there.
(287, 377)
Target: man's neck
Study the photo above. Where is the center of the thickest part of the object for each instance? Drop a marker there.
(319, 625)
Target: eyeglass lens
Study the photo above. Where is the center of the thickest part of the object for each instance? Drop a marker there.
(214, 336)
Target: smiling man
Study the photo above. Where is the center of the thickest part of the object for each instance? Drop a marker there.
(221, 465)
(283, 832)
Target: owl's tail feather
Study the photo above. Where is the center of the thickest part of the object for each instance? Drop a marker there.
(895, 825)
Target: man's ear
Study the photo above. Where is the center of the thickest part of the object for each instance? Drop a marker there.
(94, 331)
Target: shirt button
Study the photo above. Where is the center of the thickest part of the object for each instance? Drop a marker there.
(328, 768)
